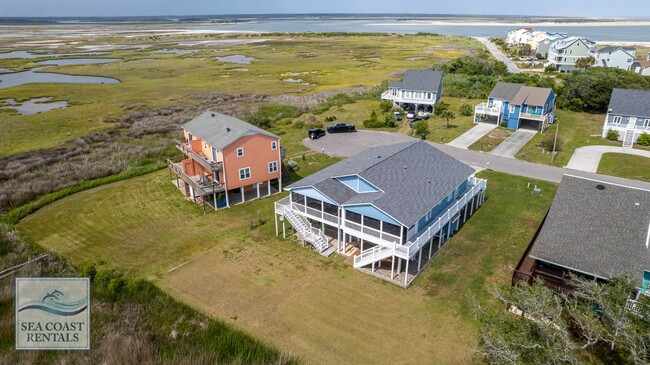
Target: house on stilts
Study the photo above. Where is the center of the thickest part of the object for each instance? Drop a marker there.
(388, 209)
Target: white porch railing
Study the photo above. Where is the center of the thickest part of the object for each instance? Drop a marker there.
(414, 246)
(314, 236)
(635, 307)
(409, 250)
(484, 108)
(532, 116)
(315, 213)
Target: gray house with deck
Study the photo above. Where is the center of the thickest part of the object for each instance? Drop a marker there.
(388, 209)
(419, 91)
(628, 114)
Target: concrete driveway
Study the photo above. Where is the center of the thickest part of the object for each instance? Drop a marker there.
(345, 145)
(588, 158)
(471, 136)
(512, 66)
(348, 144)
(511, 145)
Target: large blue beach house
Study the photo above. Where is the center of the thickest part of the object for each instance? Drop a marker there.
(388, 209)
(518, 106)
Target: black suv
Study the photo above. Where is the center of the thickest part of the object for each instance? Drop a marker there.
(316, 133)
(417, 119)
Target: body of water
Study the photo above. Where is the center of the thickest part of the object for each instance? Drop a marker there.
(78, 61)
(34, 106)
(33, 54)
(34, 76)
(621, 33)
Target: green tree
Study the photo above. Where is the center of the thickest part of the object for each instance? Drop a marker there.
(613, 135)
(585, 62)
(550, 69)
(447, 115)
(555, 328)
(386, 106)
(644, 139)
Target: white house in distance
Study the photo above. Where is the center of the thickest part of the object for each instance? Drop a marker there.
(519, 36)
(419, 91)
(628, 114)
(617, 57)
(642, 68)
(564, 53)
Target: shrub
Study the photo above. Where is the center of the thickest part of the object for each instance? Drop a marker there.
(330, 118)
(386, 106)
(298, 124)
(390, 121)
(549, 140)
(312, 122)
(643, 140)
(421, 127)
(439, 108)
(550, 69)
(503, 124)
(293, 165)
(373, 123)
(260, 121)
(466, 109)
(612, 135)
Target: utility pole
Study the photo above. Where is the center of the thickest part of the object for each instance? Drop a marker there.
(557, 120)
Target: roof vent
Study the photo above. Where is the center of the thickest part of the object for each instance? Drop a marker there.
(227, 129)
(600, 187)
(378, 156)
(429, 181)
(213, 115)
(636, 204)
(405, 167)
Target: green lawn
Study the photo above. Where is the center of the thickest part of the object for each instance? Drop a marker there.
(576, 130)
(437, 130)
(627, 166)
(287, 295)
(491, 140)
(150, 81)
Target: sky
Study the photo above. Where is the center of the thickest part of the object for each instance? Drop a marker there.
(570, 8)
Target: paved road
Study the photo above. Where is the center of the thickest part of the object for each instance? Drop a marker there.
(511, 145)
(351, 143)
(588, 158)
(512, 66)
(471, 136)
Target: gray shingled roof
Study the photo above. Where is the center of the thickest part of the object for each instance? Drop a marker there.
(505, 90)
(519, 94)
(630, 102)
(412, 176)
(419, 80)
(600, 232)
(609, 49)
(220, 130)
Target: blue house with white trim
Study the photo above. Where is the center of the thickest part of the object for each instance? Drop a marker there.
(518, 106)
(389, 209)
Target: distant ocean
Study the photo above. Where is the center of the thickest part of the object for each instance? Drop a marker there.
(621, 33)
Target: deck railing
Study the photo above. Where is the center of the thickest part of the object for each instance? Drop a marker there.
(205, 188)
(485, 108)
(200, 159)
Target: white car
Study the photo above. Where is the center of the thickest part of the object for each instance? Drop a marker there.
(410, 115)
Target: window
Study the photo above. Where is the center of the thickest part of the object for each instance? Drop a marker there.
(214, 154)
(240, 151)
(297, 198)
(189, 137)
(205, 145)
(273, 167)
(646, 123)
(245, 173)
(616, 120)
(274, 145)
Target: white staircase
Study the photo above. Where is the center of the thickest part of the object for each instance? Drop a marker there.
(373, 254)
(310, 234)
(628, 139)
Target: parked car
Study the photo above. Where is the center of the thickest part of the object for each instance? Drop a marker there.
(398, 116)
(316, 133)
(341, 127)
(417, 119)
(410, 115)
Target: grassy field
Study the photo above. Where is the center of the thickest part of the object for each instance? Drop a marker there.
(284, 294)
(457, 126)
(321, 63)
(576, 130)
(627, 166)
(491, 140)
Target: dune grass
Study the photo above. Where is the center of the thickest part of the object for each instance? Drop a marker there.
(627, 166)
(317, 308)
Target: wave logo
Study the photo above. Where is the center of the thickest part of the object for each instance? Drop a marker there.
(54, 303)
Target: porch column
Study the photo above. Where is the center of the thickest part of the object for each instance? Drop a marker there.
(440, 239)
(392, 267)
(243, 197)
(227, 201)
(449, 229)
(258, 190)
(406, 273)
(280, 184)
(430, 247)
(214, 196)
(284, 230)
(268, 187)
(471, 211)
(465, 214)
(361, 245)
(399, 265)
(275, 215)
(419, 260)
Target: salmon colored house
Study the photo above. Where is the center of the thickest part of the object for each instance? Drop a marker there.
(227, 161)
